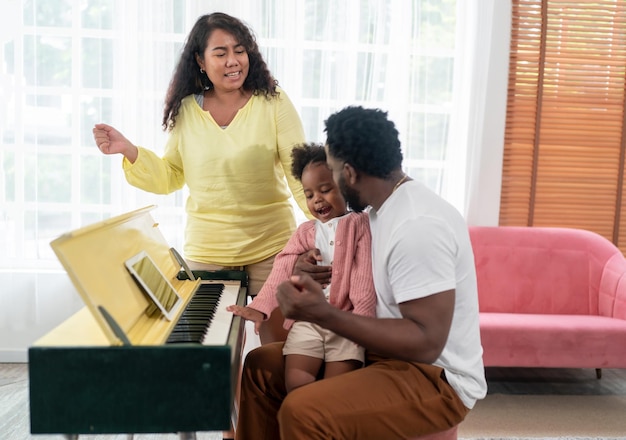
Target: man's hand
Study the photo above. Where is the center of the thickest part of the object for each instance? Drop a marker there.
(307, 264)
(301, 298)
(249, 314)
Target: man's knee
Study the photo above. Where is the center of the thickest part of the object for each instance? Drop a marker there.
(299, 413)
(263, 371)
(266, 357)
(290, 406)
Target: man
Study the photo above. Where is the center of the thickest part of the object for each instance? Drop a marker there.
(424, 370)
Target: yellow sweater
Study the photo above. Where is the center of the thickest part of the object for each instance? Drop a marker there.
(238, 210)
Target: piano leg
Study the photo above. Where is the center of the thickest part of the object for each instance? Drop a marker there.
(187, 435)
(245, 348)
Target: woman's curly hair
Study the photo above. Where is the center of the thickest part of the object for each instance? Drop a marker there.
(365, 139)
(188, 79)
(305, 154)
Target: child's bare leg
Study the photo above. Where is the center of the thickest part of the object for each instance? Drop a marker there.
(332, 369)
(272, 330)
(300, 370)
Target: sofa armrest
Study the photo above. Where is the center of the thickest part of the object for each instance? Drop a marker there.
(612, 292)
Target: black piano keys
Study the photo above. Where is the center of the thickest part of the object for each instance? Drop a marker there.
(197, 316)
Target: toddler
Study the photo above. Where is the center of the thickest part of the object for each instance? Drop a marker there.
(344, 241)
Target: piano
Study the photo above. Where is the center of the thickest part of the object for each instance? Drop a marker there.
(118, 367)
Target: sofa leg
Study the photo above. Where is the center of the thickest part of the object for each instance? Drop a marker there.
(599, 373)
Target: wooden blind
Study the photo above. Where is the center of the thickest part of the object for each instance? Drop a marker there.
(564, 146)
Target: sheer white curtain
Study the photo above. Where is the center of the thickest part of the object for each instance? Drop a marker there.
(429, 65)
(334, 53)
(450, 114)
(474, 154)
(66, 66)
(438, 68)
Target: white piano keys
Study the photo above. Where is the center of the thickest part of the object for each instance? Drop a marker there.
(217, 333)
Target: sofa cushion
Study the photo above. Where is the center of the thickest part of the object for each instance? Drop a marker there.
(559, 341)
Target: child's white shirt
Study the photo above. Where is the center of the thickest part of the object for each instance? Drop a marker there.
(325, 242)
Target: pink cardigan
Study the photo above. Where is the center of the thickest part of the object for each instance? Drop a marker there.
(352, 286)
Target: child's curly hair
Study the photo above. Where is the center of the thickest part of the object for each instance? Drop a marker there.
(305, 154)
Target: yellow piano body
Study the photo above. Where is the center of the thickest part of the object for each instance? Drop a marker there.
(109, 368)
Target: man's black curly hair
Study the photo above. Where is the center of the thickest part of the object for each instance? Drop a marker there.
(366, 139)
(304, 154)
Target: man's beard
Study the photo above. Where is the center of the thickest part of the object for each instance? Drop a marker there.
(351, 196)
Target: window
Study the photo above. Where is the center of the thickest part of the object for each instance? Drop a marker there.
(68, 64)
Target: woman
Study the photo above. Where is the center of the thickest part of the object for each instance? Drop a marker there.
(231, 132)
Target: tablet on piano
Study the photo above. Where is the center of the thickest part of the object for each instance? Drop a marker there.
(154, 284)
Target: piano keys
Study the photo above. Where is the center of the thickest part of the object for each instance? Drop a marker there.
(112, 367)
(192, 326)
(208, 303)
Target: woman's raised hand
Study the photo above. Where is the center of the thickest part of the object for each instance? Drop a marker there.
(110, 141)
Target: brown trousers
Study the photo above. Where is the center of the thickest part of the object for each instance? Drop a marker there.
(388, 399)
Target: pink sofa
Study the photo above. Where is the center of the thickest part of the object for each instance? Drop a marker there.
(550, 297)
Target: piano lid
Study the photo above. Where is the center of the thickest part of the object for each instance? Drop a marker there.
(94, 257)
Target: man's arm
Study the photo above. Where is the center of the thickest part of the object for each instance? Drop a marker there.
(419, 336)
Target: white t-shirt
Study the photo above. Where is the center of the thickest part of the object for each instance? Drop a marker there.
(421, 246)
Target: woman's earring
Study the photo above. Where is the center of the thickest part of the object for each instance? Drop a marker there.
(201, 70)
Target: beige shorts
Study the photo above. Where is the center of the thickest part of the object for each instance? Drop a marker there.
(312, 340)
(257, 272)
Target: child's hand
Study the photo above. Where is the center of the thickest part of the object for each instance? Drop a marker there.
(249, 314)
